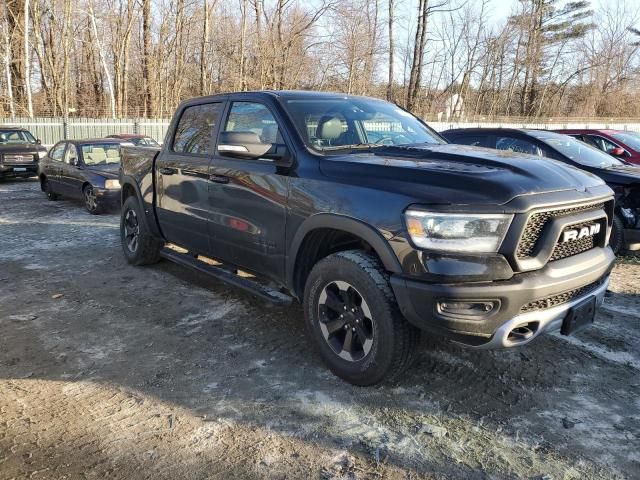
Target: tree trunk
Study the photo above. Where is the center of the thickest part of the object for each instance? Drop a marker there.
(27, 60)
(415, 77)
(103, 61)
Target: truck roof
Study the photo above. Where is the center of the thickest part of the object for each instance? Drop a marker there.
(285, 94)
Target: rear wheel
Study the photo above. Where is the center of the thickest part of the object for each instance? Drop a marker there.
(617, 235)
(91, 200)
(353, 319)
(138, 245)
(46, 188)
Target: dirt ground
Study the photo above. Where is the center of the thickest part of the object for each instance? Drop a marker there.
(112, 371)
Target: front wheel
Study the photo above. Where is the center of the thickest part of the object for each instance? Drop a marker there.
(91, 200)
(138, 245)
(353, 319)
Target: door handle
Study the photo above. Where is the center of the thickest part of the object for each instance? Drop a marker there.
(167, 171)
(219, 178)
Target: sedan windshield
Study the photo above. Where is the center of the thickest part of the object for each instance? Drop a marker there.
(353, 123)
(630, 138)
(576, 150)
(96, 154)
(16, 136)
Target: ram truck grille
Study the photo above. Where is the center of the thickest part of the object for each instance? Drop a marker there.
(14, 158)
(559, 299)
(535, 226)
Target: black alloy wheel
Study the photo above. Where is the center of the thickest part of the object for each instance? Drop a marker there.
(345, 321)
(131, 230)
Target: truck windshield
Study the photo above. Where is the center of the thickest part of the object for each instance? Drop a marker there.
(576, 150)
(352, 123)
(16, 136)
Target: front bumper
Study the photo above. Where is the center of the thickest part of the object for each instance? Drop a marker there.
(568, 277)
(14, 171)
(108, 197)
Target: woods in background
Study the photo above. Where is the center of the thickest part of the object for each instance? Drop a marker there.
(140, 58)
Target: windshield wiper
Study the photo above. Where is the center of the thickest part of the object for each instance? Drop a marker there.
(355, 146)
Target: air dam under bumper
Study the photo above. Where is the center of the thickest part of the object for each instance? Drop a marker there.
(573, 279)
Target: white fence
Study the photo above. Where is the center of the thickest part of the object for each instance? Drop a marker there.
(51, 130)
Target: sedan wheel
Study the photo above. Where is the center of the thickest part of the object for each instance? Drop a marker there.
(90, 200)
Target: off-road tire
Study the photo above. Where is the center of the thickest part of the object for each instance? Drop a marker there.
(617, 235)
(395, 341)
(46, 188)
(148, 247)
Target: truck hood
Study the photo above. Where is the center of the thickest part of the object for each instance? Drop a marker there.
(456, 174)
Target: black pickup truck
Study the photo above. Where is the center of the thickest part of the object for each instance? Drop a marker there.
(367, 216)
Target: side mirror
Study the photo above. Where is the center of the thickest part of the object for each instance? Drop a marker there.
(242, 145)
(38, 141)
(617, 152)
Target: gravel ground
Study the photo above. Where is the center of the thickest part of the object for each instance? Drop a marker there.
(108, 370)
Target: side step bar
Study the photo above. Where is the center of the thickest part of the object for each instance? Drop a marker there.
(220, 273)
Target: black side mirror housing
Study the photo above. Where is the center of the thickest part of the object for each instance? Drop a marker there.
(248, 145)
(38, 141)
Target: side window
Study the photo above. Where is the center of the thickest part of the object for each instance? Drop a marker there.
(516, 145)
(71, 157)
(473, 140)
(601, 143)
(57, 151)
(256, 118)
(194, 133)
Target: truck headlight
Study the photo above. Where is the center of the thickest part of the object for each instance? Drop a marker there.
(112, 184)
(41, 154)
(457, 232)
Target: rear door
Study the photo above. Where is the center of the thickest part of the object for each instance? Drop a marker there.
(248, 198)
(182, 175)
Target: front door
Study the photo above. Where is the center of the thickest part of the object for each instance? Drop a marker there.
(248, 198)
(71, 173)
(182, 172)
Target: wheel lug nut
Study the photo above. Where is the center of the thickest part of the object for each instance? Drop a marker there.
(353, 329)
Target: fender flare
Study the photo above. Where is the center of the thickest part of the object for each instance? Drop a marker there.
(148, 217)
(346, 224)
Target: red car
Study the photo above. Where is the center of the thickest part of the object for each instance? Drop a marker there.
(622, 144)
